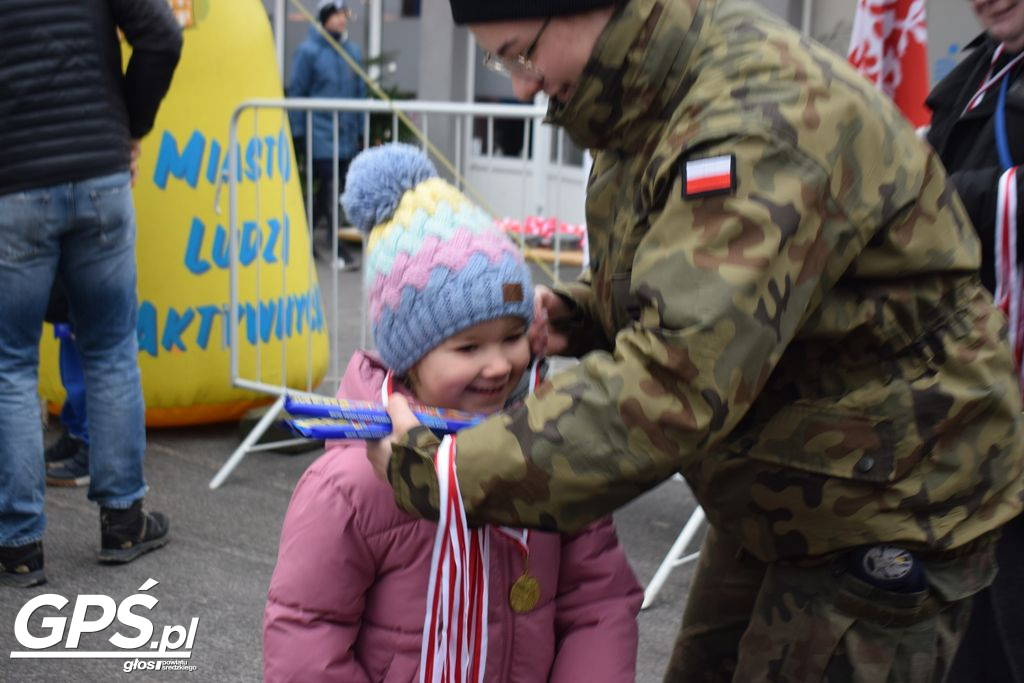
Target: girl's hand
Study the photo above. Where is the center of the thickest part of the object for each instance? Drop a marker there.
(402, 420)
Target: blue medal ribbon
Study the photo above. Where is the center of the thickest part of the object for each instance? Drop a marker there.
(1002, 143)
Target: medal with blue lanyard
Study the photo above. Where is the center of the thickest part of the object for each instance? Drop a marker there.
(1002, 142)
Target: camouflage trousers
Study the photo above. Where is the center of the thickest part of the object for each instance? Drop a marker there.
(747, 620)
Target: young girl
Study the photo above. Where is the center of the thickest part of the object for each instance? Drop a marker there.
(450, 303)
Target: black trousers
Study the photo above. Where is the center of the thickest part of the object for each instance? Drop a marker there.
(325, 199)
(993, 646)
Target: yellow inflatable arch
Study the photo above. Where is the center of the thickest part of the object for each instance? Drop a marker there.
(182, 251)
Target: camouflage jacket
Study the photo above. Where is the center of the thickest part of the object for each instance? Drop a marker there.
(810, 346)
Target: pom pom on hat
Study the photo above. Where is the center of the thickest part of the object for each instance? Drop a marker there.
(377, 179)
(436, 264)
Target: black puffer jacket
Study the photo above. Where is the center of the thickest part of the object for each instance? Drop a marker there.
(67, 112)
(967, 143)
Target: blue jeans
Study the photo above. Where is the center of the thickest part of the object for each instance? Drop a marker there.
(83, 233)
(72, 414)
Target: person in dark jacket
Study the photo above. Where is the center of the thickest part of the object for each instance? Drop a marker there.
(319, 71)
(978, 130)
(70, 126)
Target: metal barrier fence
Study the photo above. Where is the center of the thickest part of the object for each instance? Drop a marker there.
(536, 179)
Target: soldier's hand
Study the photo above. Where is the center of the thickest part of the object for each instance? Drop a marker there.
(402, 420)
(547, 306)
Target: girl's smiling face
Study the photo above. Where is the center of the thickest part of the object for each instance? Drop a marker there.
(474, 370)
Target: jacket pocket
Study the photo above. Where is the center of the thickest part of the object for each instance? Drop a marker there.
(24, 221)
(835, 440)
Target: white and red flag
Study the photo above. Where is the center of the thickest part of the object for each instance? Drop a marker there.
(889, 46)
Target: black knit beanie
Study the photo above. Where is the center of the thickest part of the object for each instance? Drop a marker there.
(329, 7)
(478, 11)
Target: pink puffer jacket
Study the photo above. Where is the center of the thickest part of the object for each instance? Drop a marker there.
(348, 595)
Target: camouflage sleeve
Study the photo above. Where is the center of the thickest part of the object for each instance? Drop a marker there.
(412, 474)
(722, 284)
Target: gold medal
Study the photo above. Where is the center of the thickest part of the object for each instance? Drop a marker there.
(524, 594)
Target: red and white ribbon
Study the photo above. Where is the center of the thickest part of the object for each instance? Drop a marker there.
(454, 648)
(1009, 279)
(990, 79)
(535, 375)
(520, 537)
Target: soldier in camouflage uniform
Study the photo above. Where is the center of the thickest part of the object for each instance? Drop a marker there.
(783, 305)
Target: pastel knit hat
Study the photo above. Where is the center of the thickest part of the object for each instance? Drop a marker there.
(436, 263)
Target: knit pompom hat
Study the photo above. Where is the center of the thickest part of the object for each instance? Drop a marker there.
(436, 263)
(479, 11)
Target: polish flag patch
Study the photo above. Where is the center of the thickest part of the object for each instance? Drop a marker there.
(710, 176)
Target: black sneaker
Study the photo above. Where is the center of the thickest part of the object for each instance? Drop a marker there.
(63, 449)
(347, 261)
(126, 534)
(348, 265)
(22, 566)
(73, 471)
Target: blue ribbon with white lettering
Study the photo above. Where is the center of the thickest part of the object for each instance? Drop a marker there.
(1002, 143)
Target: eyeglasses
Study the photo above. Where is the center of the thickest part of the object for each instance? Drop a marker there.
(521, 65)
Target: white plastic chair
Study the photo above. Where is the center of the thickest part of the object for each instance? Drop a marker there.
(675, 556)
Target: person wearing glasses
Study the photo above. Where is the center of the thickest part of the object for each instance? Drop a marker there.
(783, 304)
(978, 130)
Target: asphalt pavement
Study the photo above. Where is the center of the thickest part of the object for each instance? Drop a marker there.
(212, 577)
